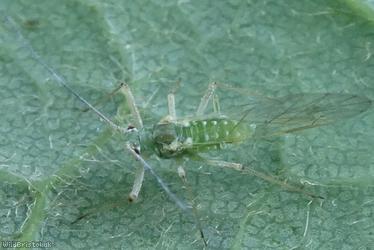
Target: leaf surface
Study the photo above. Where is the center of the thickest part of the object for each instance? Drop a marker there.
(57, 162)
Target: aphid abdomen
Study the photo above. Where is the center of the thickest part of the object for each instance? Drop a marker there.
(172, 139)
(213, 133)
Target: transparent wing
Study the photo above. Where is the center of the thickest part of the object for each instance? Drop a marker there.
(276, 116)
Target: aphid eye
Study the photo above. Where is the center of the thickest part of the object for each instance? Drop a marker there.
(131, 128)
(136, 148)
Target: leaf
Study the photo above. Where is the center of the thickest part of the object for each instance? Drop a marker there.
(58, 163)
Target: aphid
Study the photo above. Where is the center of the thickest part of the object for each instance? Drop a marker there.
(248, 117)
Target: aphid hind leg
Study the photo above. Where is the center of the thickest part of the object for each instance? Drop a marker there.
(266, 177)
(225, 164)
(281, 183)
(209, 93)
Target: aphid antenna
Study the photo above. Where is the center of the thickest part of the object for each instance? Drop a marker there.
(59, 78)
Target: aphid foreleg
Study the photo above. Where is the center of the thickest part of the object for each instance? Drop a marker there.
(138, 182)
(148, 167)
(206, 98)
(172, 116)
(125, 89)
(171, 106)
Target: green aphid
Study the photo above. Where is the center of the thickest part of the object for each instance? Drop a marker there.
(242, 117)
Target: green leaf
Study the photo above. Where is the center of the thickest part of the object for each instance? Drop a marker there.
(58, 163)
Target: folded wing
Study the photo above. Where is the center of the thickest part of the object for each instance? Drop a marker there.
(292, 113)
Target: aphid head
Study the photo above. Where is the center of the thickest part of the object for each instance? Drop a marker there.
(165, 138)
(164, 133)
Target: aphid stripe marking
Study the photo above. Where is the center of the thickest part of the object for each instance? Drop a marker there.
(210, 133)
(216, 135)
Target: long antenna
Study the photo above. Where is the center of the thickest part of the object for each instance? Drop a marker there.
(59, 78)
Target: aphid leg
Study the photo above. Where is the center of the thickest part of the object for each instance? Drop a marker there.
(138, 182)
(266, 177)
(139, 175)
(172, 116)
(225, 164)
(163, 185)
(125, 89)
(206, 98)
(182, 175)
(216, 107)
(171, 106)
(171, 101)
(283, 184)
